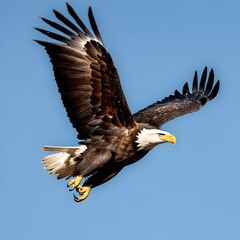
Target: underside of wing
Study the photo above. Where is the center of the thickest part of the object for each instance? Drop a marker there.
(86, 76)
(180, 103)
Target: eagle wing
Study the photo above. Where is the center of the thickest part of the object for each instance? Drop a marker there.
(180, 103)
(86, 76)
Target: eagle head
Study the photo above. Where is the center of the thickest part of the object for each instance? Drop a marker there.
(149, 138)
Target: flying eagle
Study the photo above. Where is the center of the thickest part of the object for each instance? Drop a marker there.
(111, 137)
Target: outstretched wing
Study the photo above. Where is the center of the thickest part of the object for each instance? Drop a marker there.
(86, 76)
(180, 103)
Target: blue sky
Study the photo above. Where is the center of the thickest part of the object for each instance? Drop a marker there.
(182, 192)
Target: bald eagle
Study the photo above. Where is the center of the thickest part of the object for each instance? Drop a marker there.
(110, 136)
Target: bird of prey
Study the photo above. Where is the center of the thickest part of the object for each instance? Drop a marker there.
(111, 137)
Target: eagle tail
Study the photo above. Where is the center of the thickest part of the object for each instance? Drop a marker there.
(64, 162)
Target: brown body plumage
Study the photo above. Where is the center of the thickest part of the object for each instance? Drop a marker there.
(111, 137)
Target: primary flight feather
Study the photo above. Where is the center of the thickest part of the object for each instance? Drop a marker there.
(111, 137)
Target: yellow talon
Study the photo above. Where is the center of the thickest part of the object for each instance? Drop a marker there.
(83, 191)
(75, 182)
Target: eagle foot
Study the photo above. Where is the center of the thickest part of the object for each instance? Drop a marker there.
(83, 191)
(74, 182)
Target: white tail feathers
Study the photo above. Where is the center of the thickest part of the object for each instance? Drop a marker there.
(64, 162)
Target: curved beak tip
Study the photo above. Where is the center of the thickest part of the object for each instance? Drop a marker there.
(172, 139)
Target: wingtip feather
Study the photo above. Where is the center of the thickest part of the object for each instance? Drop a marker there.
(195, 82)
(215, 91)
(210, 82)
(94, 25)
(203, 79)
(78, 20)
(185, 89)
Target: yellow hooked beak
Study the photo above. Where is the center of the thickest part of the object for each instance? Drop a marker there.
(168, 137)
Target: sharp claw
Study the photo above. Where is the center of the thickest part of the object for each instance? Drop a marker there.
(71, 182)
(83, 192)
(76, 198)
(74, 183)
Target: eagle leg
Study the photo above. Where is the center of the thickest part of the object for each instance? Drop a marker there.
(83, 191)
(74, 182)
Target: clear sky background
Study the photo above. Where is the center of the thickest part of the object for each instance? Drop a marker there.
(182, 192)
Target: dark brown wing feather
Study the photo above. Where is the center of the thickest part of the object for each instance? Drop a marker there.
(180, 103)
(86, 76)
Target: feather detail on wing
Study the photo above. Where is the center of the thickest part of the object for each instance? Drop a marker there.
(86, 76)
(180, 103)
